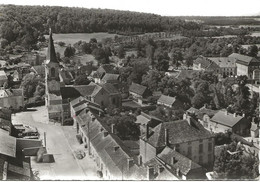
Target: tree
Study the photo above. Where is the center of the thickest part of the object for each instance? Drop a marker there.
(121, 52)
(162, 65)
(253, 51)
(69, 51)
(100, 55)
(82, 80)
(152, 79)
(29, 84)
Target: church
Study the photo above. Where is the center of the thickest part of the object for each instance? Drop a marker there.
(58, 95)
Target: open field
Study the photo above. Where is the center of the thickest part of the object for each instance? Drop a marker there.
(71, 38)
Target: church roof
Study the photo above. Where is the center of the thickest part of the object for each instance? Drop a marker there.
(51, 55)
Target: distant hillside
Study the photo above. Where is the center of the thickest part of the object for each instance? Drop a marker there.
(224, 20)
(20, 19)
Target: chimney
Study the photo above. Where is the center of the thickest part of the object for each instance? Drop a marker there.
(235, 115)
(173, 160)
(150, 173)
(189, 120)
(160, 169)
(243, 115)
(139, 160)
(226, 112)
(205, 105)
(105, 133)
(146, 132)
(99, 113)
(93, 118)
(130, 163)
(112, 128)
(184, 116)
(166, 137)
(116, 148)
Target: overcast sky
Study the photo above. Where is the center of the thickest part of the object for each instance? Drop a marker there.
(162, 7)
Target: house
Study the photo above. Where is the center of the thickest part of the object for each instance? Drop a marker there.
(139, 92)
(171, 102)
(84, 69)
(66, 76)
(102, 70)
(223, 121)
(186, 139)
(204, 64)
(5, 120)
(3, 78)
(227, 65)
(254, 130)
(246, 65)
(12, 98)
(204, 115)
(114, 160)
(33, 58)
(145, 120)
(14, 164)
(114, 79)
(39, 70)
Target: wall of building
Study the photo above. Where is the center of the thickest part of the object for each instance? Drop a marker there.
(147, 151)
(14, 101)
(242, 69)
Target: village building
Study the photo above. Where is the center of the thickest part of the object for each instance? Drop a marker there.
(254, 130)
(33, 58)
(113, 79)
(186, 139)
(5, 120)
(3, 78)
(247, 65)
(170, 102)
(139, 92)
(39, 70)
(223, 121)
(145, 120)
(102, 70)
(12, 98)
(227, 65)
(205, 64)
(114, 160)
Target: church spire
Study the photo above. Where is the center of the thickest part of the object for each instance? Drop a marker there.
(51, 55)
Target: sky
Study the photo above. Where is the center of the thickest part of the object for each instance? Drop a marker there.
(161, 7)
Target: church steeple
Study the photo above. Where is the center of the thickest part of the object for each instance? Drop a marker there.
(51, 55)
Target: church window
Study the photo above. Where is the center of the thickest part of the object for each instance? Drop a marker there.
(52, 72)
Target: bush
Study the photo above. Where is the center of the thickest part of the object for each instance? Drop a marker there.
(80, 154)
(79, 138)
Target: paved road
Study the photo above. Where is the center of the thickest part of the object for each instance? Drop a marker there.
(66, 166)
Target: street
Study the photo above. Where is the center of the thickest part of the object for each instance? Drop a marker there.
(61, 142)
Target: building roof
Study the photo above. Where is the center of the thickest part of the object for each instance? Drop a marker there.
(110, 77)
(109, 88)
(181, 162)
(145, 119)
(107, 68)
(202, 111)
(167, 100)
(51, 55)
(78, 90)
(205, 63)
(193, 110)
(227, 119)
(7, 144)
(179, 131)
(137, 88)
(11, 92)
(224, 62)
(39, 69)
(3, 75)
(243, 59)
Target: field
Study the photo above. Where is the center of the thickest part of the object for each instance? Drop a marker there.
(72, 38)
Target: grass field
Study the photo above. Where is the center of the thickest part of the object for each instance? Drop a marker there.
(72, 38)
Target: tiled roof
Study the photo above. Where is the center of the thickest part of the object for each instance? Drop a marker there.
(145, 119)
(226, 119)
(224, 62)
(39, 69)
(204, 110)
(7, 144)
(182, 163)
(109, 88)
(107, 68)
(12, 92)
(3, 75)
(243, 59)
(110, 77)
(137, 88)
(77, 91)
(179, 131)
(193, 110)
(166, 100)
(205, 63)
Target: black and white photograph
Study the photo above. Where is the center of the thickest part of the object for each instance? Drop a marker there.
(98, 90)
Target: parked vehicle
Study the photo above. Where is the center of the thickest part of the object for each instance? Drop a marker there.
(27, 132)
